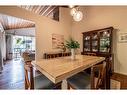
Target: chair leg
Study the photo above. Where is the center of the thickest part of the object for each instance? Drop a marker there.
(26, 86)
(68, 86)
(58, 85)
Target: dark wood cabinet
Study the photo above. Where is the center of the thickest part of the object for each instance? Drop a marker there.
(99, 42)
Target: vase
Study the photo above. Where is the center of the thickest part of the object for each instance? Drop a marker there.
(72, 54)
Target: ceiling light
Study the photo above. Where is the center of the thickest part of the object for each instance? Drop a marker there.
(76, 13)
(71, 6)
(78, 16)
(73, 11)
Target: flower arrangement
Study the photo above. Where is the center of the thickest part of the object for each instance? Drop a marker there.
(72, 44)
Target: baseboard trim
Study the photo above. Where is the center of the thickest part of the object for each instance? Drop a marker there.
(121, 78)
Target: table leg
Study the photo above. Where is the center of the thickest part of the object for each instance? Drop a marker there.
(64, 84)
(108, 73)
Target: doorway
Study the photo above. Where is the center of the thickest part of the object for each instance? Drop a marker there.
(23, 44)
(19, 36)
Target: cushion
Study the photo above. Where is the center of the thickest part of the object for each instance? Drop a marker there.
(42, 82)
(80, 81)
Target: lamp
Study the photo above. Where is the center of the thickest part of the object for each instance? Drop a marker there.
(77, 15)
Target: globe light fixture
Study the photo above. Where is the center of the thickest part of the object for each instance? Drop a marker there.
(73, 11)
(78, 16)
(71, 6)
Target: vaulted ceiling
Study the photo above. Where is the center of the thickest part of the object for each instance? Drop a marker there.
(47, 11)
(9, 22)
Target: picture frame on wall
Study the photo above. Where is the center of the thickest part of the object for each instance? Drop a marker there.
(57, 41)
(122, 37)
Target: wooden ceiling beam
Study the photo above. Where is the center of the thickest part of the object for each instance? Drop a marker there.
(10, 22)
(50, 11)
(42, 8)
(35, 9)
(44, 12)
(38, 9)
(30, 8)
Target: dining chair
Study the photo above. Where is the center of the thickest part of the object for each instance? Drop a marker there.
(37, 81)
(25, 56)
(91, 54)
(49, 56)
(65, 54)
(83, 80)
(57, 55)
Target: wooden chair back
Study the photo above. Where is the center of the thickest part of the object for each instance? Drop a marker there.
(26, 56)
(28, 69)
(64, 54)
(29, 80)
(54, 55)
(49, 56)
(99, 81)
(91, 54)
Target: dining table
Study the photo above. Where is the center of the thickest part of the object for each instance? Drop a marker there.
(60, 68)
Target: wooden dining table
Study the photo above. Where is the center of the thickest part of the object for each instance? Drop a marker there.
(61, 68)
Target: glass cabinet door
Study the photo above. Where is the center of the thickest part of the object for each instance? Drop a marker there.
(94, 38)
(105, 41)
(94, 46)
(87, 43)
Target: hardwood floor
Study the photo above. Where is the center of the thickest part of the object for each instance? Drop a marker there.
(12, 77)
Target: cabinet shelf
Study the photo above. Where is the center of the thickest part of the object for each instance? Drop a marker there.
(98, 39)
(94, 39)
(98, 42)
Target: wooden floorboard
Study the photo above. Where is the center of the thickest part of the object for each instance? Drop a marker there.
(12, 76)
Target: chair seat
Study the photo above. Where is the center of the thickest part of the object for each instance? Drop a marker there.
(41, 82)
(80, 81)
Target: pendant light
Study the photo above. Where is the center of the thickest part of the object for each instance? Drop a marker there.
(76, 13)
(78, 16)
(73, 11)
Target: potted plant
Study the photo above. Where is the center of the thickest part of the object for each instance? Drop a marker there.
(71, 44)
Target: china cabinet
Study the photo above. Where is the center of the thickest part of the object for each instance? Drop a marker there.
(99, 42)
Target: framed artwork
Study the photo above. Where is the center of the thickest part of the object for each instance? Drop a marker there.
(122, 37)
(57, 41)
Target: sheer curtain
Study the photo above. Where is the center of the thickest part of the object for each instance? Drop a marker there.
(1, 44)
(9, 46)
(1, 57)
